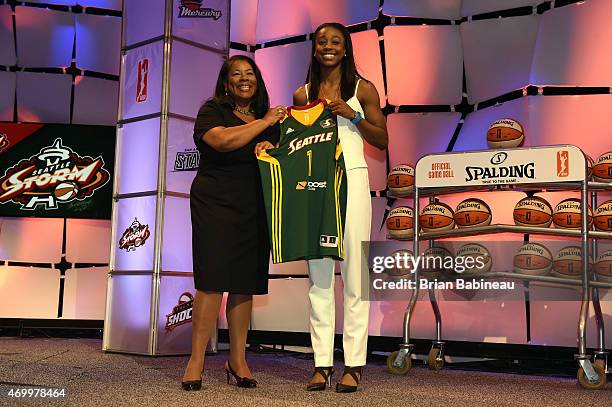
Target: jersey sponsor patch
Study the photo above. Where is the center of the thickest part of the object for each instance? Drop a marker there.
(289, 130)
(328, 241)
(310, 185)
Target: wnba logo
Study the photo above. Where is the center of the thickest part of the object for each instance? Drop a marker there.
(562, 163)
(143, 80)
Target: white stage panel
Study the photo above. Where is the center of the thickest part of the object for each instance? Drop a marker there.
(413, 135)
(280, 19)
(488, 74)
(44, 37)
(95, 101)
(176, 245)
(135, 237)
(29, 292)
(141, 137)
(210, 31)
(188, 91)
(7, 44)
(282, 79)
(175, 337)
(85, 293)
(105, 4)
(473, 134)
(88, 240)
(346, 12)
(8, 84)
(472, 7)
(98, 43)
(571, 43)
(367, 60)
(285, 308)
(142, 26)
(142, 76)
(424, 65)
(243, 21)
(31, 240)
(43, 97)
(183, 157)
(438, 9)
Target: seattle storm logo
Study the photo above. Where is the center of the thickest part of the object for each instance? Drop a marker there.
(55, 175)
(4, 142)
(134, 236)
(194, 9)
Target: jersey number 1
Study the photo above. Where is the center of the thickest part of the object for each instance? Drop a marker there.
(309, 154)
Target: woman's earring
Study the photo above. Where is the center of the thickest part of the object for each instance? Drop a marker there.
(225, 91)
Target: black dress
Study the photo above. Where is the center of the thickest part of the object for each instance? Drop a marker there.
(231, 247)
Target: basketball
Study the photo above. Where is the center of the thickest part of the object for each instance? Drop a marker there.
(437, 217)
(480, 259)
(603, 266)
(433, 265)
(472, 212)
(65, 191)
(602, 170)
(403, 265)
(532, 211)
(603, 216)
(401, 179)
(532, 258)
(567, 214)
(400, 222)
(568, 262)
(590, 164)
(505, 133)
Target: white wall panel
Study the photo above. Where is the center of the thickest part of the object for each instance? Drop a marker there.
(29, 292)
(141, 137)
(244, 21)
(95, 101)
(472, 7)
(569, 49)
(43, 97)
(285, 308)
(424, 65)
(98, 43)
(439, 9)
(8, 82)
(44, 37)
(280, 19)
(498, 55)
(282, 79)
(378, 229)
(32, 240)
(7, 44)
(141, 26)
(377, 167)
(85, 293)
(233, 52)
(413, 135)
(88, 240)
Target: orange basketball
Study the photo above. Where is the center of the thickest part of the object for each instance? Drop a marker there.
(436, 217)
(602, 170)
(472, 212)
(533, 259)
(532, 211)
(603, 266)
(401, 179)
(590, 164)
(400, 222)
(567, 214)
(568, 262)
(603, 216)
(505, 133)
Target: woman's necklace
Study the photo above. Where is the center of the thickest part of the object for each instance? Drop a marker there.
(336, 94)
(244, 111)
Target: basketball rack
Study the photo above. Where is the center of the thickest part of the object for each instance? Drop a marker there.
(556, 168)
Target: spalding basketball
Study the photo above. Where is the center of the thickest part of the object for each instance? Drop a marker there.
(505, 133)
(401, 179)
(65, 191)
(532, 211)
(602, 170)
(402, 265)
(436, 262)
(568, 262)
(590, 164)
(603, 266)
(480, 259)
(533, 259)
(603, 216)
(400, 222)
(472, 212)
(568, 215)
(437, 217)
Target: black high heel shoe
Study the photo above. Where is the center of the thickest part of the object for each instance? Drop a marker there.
(353, 372)
(327, 373)
(192, 385)
(244, 382)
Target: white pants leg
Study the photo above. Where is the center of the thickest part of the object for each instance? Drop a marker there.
(321, 272)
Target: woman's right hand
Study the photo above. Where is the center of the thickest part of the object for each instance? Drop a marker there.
(274, 115)
(263, 145)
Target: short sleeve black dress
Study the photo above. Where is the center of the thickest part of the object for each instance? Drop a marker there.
(231, 247)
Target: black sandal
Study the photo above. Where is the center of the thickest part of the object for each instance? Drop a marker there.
(327, 373)
(353, 371)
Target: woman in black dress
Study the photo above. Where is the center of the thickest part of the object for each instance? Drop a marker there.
(230, 236)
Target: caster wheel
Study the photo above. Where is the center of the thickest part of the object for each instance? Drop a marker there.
(403, 369)
(600, 362)
(432, 361)
(600, 384)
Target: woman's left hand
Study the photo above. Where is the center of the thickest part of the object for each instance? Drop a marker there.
(341, 108)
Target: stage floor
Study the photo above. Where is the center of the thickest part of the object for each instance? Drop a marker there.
(96, 378)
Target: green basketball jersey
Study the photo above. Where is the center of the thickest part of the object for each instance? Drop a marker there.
(304, 187)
